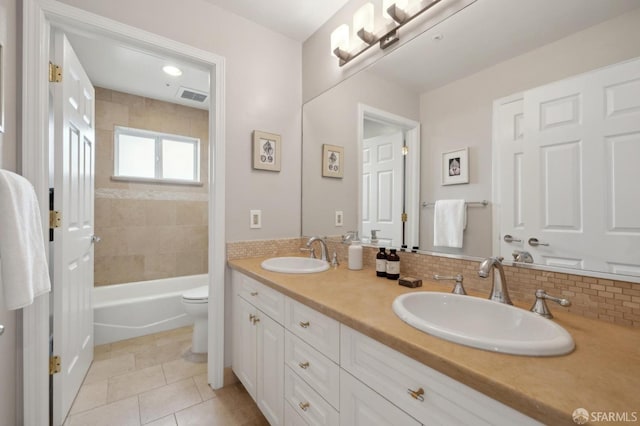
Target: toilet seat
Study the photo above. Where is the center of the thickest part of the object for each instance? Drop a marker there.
(196, 295)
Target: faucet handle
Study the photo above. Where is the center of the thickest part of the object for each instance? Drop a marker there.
(458, 288)
(540, 306)
(334, 260)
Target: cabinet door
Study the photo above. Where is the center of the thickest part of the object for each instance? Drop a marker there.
(360, 406)
(270, 369)
(244, 344)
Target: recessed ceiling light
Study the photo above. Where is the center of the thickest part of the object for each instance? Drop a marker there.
(171, 70)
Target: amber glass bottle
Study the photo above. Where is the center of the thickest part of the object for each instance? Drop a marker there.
(381, 263)
(393, 265)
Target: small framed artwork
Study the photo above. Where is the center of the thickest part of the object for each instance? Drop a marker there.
(332, 161)
(1, 88)
(455, 167)
(266, 151)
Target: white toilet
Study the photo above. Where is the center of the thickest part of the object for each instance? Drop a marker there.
(196, 304)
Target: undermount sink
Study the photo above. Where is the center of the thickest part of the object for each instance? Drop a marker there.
(295, 265)
(483, 324)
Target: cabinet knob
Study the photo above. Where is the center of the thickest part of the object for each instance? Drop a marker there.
(256, 320)
(304, 324)
(254, 293)
(251, 317)
(304, 406)
(304, 365)
(417, 394)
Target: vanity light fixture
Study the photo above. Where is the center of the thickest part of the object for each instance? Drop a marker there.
(172, 71)
(340, 43)
(363, 22)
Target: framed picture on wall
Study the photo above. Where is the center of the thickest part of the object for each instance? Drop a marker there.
(332, 161)
(266, 151)
(455, 167)
(1, 88)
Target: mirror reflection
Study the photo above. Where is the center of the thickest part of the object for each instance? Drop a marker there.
(450, 80)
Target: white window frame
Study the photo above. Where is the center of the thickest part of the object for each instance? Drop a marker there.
(158, 137)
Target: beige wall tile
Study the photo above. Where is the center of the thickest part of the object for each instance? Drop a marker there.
(160, 213)
(102, 213)
(191, 213)
(118, 269)
(191, 263)
(128, 213)
(158, 266)
(110, 114)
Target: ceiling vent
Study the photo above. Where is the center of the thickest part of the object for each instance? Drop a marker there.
(192, 95)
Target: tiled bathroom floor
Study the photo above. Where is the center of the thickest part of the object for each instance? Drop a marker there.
(155, 380)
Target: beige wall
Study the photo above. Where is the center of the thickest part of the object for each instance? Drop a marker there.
(263, 92)
(148, 231)
(10, 385)
(332, 118)
(459, 114)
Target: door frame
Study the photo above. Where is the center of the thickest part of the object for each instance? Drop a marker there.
(412, 183)
(38, 17)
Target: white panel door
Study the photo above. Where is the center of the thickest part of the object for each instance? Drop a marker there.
(74, 173)
(571, 179)
(382, 187)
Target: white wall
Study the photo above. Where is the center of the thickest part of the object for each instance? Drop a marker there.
(8, 160)
(459, 114)
(263, 92)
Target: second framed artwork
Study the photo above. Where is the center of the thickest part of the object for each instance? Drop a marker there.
(266, 151)
(455, 167)
(332, 161)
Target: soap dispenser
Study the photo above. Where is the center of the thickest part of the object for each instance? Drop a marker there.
(355, 254)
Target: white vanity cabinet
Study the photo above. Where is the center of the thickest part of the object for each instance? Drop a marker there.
(258, 345)
(305, 368)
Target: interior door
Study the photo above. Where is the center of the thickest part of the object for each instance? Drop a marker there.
(564, 150)
(72, 249)
(382, 187)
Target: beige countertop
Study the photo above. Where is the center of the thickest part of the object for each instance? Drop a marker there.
(601, 374)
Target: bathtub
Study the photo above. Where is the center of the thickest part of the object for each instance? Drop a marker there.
(123, 311)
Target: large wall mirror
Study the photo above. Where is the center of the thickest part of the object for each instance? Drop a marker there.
(450, 81)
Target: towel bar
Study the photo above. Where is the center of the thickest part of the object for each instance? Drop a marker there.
(482, 203)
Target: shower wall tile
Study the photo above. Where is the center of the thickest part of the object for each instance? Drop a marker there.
(148, 230)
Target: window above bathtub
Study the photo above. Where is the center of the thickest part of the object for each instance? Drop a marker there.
(147, 156)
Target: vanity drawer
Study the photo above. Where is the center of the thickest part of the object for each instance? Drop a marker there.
(292, 418)
(259, 295)
(322, 374)
(444, 401)
(316, 329)
(307, 402)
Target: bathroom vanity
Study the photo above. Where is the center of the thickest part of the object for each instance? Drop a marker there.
(327, 348)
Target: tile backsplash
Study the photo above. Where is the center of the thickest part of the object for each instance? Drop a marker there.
(604, 299)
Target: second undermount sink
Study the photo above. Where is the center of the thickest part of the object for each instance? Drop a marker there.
(295, 265)
(483, 324)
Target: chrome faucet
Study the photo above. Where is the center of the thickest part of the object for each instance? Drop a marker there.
(324, 253)
(499, 291)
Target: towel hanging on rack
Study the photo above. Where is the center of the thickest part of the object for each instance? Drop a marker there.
(449, 222)
(24, 273)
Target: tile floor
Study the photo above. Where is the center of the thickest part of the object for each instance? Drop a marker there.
(155, 380)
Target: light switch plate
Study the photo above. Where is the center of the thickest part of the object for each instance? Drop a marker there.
(339, 218)
(255, 219)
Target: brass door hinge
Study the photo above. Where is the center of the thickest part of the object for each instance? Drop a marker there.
(405, 217)
(55, 219)
(54, 365)
(55, 73)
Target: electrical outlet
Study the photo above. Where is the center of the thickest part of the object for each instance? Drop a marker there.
(256, 219)
(339, 218)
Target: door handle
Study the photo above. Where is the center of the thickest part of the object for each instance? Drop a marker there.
(509, 239)
(533, 242)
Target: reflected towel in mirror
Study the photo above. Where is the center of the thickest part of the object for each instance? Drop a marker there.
(450, 217)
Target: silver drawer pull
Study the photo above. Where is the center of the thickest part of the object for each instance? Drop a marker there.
(304, 324)
(417, 394)
(304, 365)
(304, 406)
(533, 242)
(254, 293)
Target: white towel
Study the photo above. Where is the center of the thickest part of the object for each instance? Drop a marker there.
(24, 273)
(449, 222)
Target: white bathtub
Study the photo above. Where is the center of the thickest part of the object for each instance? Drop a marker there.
(123, 311)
